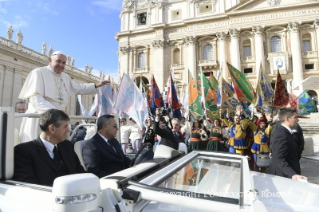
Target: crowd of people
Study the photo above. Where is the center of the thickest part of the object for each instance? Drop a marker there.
(43, 156)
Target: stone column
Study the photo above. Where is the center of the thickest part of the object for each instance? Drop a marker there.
(259, 46)
(161, 11)
(191, 9)
(222, 53)
(289, 87)
(147, 55)
(159, 46)
(235, 54)
(190, 41)
(125, 55)
(316, 24)
(293, 28)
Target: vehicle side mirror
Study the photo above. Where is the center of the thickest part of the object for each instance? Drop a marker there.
(76, 193)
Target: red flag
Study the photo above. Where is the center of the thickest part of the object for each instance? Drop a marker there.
(281, 98)
(172, 95)
(156, 97)
(293, 102)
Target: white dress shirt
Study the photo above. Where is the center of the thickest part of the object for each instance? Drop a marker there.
(49, 147)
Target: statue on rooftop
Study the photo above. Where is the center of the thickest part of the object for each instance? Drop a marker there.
(44, 48)
(72, 61)
(86, 68)
(10, 32)
(68, 60)
(19, 37)
(50, 51)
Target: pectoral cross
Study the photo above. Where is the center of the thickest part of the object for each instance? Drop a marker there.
(61, 99)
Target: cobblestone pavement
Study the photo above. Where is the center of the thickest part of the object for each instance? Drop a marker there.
(310, 169)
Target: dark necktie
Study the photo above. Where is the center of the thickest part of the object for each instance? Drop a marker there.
(57, 159)
(109, 142)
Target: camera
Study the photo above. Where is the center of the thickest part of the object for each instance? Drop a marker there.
(163, 111)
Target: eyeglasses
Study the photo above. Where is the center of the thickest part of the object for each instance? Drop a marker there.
(115, 125)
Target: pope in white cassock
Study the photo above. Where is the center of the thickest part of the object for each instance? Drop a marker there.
(49, 87)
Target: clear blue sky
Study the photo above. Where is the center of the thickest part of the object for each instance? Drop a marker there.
(83, 29)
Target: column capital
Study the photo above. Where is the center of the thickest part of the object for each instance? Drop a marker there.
(235, 33)
(189, 39)
(221, 35)
(258, 30)
(294, 26)
(160, 43)
(316, 23)
(125, 49)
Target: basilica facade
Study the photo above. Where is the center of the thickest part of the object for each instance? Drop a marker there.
(161, 35)
(17, 61)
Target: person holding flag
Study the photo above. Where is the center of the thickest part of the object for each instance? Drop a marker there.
(237, 142)
(261, 138)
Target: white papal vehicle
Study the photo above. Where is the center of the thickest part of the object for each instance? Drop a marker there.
(171, 181)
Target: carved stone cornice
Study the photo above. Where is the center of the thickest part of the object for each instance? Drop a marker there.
(316, 23)
(234, 33)
(189, 39)
(160, 43)
(140, 4)
(258, 30)
(294, 26)
(273, 3)
(125, 49)
(221, 35)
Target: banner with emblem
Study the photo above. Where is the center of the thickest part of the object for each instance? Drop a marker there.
(195, 106)
(279, 63)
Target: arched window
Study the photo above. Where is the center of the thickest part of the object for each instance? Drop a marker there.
(306, 42)
(176, 56)
(141, 60)
(208, 52)
(246, 48)
(275, 44)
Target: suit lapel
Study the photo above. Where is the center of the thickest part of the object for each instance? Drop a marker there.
(291, 138)
(65, 156)
(43, 153)
(107, 146)
(117, 146)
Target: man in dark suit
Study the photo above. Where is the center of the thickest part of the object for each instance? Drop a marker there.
(49, 156)
(285, 151)
(168, 137)
(102, 154)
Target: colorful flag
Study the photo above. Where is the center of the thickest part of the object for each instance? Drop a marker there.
(209, 96)
(212, 114)
(243, 88)
(225, 91)
(194, 102)
(156, 96)
(185, 108)
(305, 104)
(281, 97)
(213, 81)
(293, 102)
(145, 91)
(172, 99)
(130, 100)
(84, 112)
(264, 94)
(246, 109)
(105, 99)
